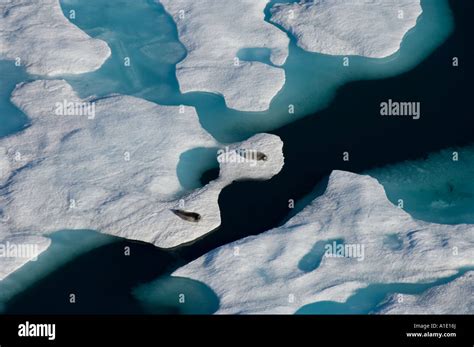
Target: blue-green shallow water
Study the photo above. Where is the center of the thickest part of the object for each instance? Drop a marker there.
(105, 278)
(436, 189)
(65, 246)
(311, 260)
(11, 118)
(176, 294)
(160, 296)
(149, 38)
(366, 300)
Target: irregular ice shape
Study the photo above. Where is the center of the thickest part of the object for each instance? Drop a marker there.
(213, 32)
(46, 42)
(115, 173)
(369, 28)
(264, 275)
(455, 297)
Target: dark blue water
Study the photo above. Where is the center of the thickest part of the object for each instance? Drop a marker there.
(148, 37)
(314, 145)
(105, 279)
(65, 246)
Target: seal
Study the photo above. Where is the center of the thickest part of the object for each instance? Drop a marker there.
(262, 156)
(187, 216)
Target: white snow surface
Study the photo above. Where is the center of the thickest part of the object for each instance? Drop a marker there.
(115, 173)
(455, 297)
(46, 42)
(213, 32)
(369, 28)
(261, 274)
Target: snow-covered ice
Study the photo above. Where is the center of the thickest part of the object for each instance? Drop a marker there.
(280, 270)
(373, 28)
(213, 32)
(17, 250)
(451, 298)
(36, 35)
(114, 172)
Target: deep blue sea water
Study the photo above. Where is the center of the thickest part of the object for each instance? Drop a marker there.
(109, 282)
(65, 246)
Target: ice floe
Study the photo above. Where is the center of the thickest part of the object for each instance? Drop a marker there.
(114, 169)
(35, 34)
(369, 28)
(451, 298)
(213, 32)
(365, 239)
